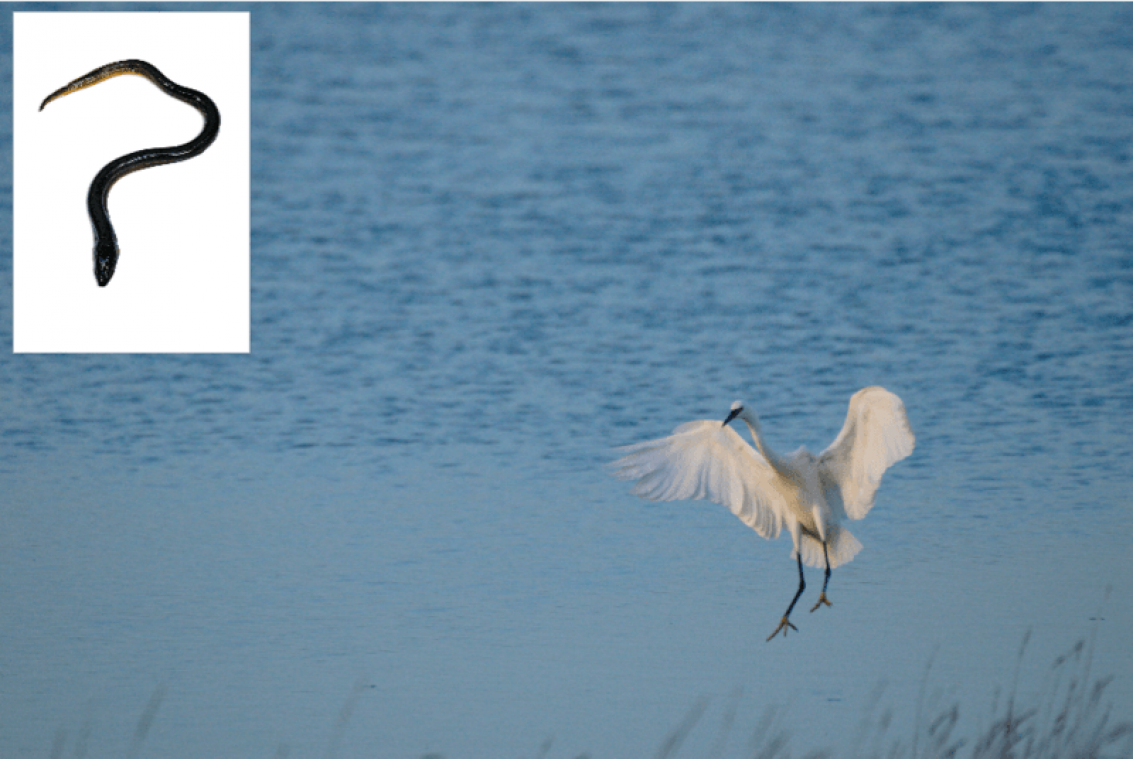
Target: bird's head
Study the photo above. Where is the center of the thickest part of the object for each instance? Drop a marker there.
(737, 409)
(740, 410)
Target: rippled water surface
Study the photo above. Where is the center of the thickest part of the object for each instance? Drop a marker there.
(491, 242)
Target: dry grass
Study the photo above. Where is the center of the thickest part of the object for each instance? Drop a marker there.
(1070, 720)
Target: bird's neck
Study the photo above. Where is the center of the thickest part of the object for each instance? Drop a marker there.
(764, 449)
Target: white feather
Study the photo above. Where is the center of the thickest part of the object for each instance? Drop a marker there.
(706, 460)
(876, 436)
(808, 495)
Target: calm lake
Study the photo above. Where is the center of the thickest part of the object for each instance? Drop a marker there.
(490, 243)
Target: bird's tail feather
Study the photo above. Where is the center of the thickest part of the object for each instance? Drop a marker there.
(840, 545)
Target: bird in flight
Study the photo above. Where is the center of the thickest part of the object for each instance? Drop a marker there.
(811, 496)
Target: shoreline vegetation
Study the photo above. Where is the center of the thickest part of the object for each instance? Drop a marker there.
(1071, 719)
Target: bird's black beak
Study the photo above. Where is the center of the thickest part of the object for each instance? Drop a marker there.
(733, 415)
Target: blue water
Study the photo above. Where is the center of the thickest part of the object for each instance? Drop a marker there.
(492, 242)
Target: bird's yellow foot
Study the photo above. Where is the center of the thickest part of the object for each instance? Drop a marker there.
(821, 600)
(784, 623)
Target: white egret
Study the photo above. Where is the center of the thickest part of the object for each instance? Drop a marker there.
(811, 496)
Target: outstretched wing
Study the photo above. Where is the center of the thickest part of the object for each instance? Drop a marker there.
(705, 459)
(876, 435)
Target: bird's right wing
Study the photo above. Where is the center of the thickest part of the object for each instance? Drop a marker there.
(705, 459)
(876, 436)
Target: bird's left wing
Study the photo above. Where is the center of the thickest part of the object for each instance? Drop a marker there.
(705, 459)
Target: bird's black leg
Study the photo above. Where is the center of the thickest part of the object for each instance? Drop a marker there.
(822, 597)
(785, 622)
